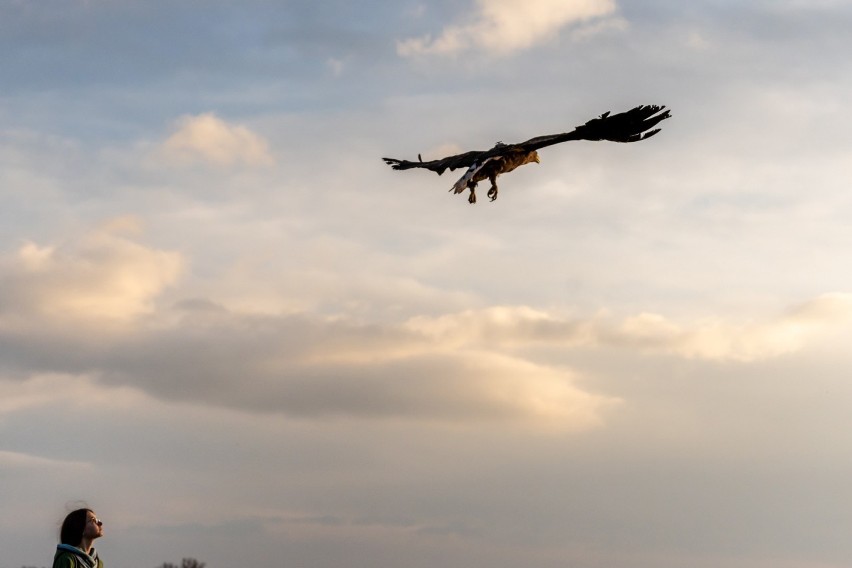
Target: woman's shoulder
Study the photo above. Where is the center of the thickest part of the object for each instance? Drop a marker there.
(65, 560)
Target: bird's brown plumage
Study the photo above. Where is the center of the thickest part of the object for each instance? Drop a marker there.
(630, 126)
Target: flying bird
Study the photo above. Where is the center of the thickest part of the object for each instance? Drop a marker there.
(630, 126)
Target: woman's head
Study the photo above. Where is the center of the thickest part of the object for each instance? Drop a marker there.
(78, 525)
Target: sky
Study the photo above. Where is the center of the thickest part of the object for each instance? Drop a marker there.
(237, 335)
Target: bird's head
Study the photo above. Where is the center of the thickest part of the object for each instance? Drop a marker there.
(533, 157)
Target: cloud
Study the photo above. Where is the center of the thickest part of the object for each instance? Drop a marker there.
(308, 367)
(811, 4)
(313, 367)
(696, 40)
(707, 339)
(100, 276)
(77, 393)
(17, 460)
(335, 65)
(59, 304)
(716, 339)
(505, 26)
(471, 366)
(206, 138)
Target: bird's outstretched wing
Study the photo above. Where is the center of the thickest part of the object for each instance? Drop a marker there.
(630, 126)
(438, 166)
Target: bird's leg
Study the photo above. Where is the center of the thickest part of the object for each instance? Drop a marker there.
(492, 193)
(472, 197)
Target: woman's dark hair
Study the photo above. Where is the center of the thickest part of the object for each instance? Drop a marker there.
(73, 527)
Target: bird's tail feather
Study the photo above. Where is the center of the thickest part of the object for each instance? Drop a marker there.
(461, 184)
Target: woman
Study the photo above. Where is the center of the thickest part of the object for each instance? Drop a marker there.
(79, 529)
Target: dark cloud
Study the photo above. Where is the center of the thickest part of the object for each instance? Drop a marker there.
(306, 367)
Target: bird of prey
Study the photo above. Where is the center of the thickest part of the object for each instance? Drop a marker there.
(630, 126)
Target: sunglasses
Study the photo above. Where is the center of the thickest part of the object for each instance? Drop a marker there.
(97, 521)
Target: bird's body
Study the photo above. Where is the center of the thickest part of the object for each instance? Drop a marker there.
(630, 126)
(489, 169)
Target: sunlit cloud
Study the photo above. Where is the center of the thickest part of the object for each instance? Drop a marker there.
(206, 138)
(100, 275)
(315, 368)
(709, 339)
(505, 26)
(472, 365)
(718, 339)
(306, 367)
(456, 368)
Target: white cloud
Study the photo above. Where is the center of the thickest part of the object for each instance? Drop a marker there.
(206, 138)
(335, 65)
(708, 339)
(306, 367)
(717, 339)
(696, 40)
(101, 275)
(325, 368)
(505, 26)
(467, 367)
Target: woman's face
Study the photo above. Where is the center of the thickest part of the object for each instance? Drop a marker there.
(94, 526)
